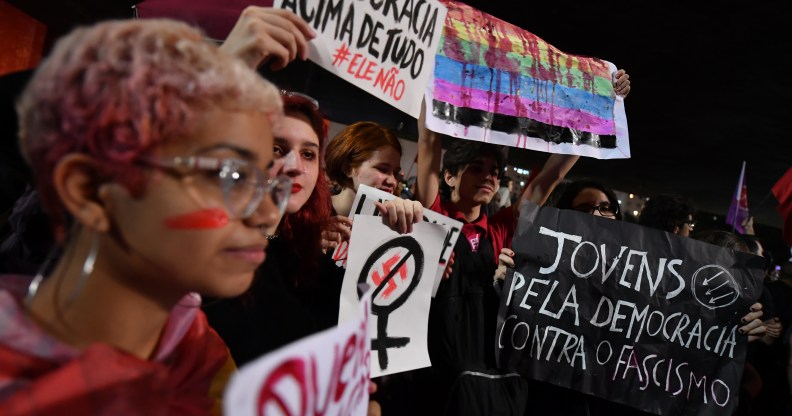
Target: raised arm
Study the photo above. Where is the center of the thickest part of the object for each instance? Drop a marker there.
(557, 165)
(429, 151)
(552, 173)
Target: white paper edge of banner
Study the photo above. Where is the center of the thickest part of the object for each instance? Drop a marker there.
(622, 150)
(428, 213)
(620, 121)
(231, 394)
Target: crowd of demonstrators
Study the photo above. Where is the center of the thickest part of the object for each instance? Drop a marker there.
(167, 166)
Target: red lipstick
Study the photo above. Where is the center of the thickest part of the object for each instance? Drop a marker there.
(204, 219)
(296, 187)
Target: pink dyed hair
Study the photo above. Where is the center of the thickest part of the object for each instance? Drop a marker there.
(116, 90)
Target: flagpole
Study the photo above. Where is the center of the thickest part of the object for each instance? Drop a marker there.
(739, 195)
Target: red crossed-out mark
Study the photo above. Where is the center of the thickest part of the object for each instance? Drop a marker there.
(386, 270)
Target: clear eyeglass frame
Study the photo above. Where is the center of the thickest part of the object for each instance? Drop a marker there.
(242, 184)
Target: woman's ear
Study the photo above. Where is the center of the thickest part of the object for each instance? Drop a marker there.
(76, 180)
(450, 179)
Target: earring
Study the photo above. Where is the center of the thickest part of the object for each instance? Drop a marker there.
(87, 268)
(85, 272)
(34, 284)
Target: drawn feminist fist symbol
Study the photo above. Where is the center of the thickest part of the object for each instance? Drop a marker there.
(391, 258)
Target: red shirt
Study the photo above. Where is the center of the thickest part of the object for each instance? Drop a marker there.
(499, 229)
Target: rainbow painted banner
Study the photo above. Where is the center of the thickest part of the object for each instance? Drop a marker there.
(497, 83)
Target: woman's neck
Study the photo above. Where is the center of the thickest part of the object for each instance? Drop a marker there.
(342, 203)
(107, 310)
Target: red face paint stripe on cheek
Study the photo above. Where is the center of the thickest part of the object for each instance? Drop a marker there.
(198, 220)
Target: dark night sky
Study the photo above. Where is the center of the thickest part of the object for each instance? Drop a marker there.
(709, 89)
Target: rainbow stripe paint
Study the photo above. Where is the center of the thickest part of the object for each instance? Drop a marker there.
(491, 66)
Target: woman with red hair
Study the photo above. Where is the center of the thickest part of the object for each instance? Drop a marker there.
(365, 153)
(296, 291)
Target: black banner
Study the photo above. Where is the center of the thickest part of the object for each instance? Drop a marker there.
(626, 313)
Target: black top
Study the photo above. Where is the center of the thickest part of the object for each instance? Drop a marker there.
(275, 311)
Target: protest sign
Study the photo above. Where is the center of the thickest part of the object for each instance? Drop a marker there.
(497, 83)
(364, 204)
(626, 313)
(385, 47)
(399, 268)
(326, 373)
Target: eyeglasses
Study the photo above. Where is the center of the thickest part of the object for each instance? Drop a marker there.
(242, 186)
(606, 209)
(300, 98)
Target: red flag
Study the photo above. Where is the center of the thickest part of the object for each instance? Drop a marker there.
(783, 193)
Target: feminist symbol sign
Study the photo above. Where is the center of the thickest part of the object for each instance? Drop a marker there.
(394, 270)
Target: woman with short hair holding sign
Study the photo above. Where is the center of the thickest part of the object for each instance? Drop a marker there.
(463, 315)
(464, 312)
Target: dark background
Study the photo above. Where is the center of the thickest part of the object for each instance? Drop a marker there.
(710, 89)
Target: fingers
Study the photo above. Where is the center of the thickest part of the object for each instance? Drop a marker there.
(449, 266)
(500, 273)
(751, 317)
(756, 313)
(374, 409)
(400, 214)
(285, 42)
(408, 218)
(301, 25)
(340, 219)
(754, 327)
(372, 387)
(307, 34)
(333, 236)
(341, 225)
(390, 216)
(294, 31)
(397, 220)
(336, 230)
(267, 34)
(621, 83)
(505, 260)
(417, 209)
(773, 333)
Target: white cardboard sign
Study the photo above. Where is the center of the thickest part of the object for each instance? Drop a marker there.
(326, 373)
(399, 268)
(385, 47)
